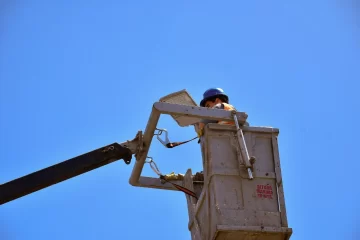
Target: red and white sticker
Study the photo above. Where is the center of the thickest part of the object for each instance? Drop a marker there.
(264, 191)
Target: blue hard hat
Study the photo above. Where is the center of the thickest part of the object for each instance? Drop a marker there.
(213, 92)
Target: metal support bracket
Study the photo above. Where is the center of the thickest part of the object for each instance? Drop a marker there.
(242, 143)
(179, 110)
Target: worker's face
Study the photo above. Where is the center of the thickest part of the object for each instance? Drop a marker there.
(210, 104)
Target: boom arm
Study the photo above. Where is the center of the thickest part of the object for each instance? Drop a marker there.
(68, 169)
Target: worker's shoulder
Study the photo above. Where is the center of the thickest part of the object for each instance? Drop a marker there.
(227, 106)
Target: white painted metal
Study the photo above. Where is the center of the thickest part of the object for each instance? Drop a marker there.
(181, 98)
(183, 110)
(231, 206)
(243, 147)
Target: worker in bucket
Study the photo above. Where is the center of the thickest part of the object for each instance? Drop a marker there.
(214, 98)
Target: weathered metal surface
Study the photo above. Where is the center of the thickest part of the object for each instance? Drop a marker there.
(191, 202)
(252, 129)
(151, 182)
(183, 98)
(231, 206)
(142, 155)
(198, 112)
(181, 110)
(243, 148)
(65, 170)
(253, 233)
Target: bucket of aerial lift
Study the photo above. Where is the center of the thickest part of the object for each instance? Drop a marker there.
(230, 205)
(237, 198)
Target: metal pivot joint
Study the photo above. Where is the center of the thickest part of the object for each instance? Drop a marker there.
(249, 161)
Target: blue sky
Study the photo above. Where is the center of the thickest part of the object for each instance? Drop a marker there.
(75, 76)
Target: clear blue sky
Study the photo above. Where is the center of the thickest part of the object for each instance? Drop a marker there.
(77, 76)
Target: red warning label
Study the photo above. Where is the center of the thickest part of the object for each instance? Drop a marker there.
(264, 191)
